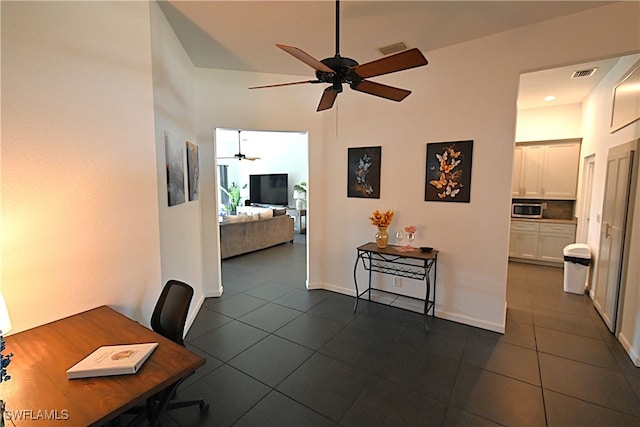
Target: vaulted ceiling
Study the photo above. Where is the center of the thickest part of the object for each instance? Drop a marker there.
(241, 35)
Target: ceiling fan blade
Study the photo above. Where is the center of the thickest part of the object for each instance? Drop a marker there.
(328, 98)
(400, 61)
(383, 91)
(286, 84)
(305, 57)
(251, 158)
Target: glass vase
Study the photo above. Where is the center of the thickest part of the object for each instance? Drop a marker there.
(382, 237)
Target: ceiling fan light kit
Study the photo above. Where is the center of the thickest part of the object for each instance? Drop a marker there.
(339, 70)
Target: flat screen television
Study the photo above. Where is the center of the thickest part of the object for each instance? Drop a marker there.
(269, 189)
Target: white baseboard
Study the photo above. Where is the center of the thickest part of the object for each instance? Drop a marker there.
(626, 344)
(471, 321)
(192, 314)
(334, 288)
(459, 318)
(216, 293)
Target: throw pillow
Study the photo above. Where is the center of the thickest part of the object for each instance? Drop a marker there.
(233, 218)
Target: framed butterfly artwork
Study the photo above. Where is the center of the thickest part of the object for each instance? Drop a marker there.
(448, 176)
(364, 172)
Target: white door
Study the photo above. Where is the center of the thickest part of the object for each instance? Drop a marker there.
(612, 234)
(584, 215)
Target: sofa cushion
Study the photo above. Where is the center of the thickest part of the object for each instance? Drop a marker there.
(267, 213)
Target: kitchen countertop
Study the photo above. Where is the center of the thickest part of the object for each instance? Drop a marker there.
(551, 220)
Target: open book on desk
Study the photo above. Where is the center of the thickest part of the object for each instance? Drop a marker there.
(112, 360)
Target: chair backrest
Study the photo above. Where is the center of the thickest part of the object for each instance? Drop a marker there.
(170, 313)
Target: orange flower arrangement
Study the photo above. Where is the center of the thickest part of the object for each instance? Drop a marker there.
(381, 219)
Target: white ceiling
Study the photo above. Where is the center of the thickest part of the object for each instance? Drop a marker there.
(241, 35)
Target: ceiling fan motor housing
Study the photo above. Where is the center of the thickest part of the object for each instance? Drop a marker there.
(341, 67)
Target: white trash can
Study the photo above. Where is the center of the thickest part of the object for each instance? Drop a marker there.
(577, 258)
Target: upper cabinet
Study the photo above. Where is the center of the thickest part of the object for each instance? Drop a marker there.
(546, 170)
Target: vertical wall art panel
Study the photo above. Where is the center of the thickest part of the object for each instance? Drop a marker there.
(175, 169)
(626, 99)
(363, 179)
(448, 177)
(193, 168)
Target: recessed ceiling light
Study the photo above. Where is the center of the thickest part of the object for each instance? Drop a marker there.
(549, 98)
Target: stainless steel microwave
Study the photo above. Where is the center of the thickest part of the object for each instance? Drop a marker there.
(526, 210)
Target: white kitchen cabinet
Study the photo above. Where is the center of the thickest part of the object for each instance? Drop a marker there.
(531, 175)
(516, 180)
(540, 241)
(523, 242)
(560, 171)
(546, 170)
(552, 240)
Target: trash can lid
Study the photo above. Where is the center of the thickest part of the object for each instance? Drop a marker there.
(577, 250)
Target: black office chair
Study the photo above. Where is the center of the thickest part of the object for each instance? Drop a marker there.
(168, 319)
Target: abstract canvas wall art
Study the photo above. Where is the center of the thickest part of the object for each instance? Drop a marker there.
(193, 170)
(175, 169)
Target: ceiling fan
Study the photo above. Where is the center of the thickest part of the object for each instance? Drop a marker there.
(338, 70)
(239, 154)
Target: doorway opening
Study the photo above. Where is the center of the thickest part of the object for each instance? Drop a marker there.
(246, 159)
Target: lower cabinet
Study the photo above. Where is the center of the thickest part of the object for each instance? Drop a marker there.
(523, 242)
(553, 238)
(540, 241)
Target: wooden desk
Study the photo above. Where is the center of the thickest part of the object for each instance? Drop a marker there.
(413, 265)
(39, 384)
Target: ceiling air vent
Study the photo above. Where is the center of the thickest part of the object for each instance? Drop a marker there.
(584, 73)
(393, 48)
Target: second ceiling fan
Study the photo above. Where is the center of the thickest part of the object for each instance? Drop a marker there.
(239, 154)
(339, 70)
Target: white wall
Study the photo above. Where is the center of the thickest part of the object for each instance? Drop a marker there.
(598, 139)
(544, 124)
(79, 199)
(174, 99)
(449, 103)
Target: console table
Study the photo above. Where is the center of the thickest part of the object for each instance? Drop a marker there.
(300, 218)
(413, 265)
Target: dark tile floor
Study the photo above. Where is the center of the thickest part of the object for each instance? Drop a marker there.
(279, 355)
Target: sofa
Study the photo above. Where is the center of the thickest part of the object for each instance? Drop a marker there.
(244, 233)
